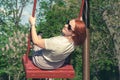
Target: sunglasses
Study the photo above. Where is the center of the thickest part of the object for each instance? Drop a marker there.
(69, 26)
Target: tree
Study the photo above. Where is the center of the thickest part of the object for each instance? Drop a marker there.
(103, 55)
(112, 18)
(13, 10)
(12, 39)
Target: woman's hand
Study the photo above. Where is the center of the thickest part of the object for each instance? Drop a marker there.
(81, 18)
(32, 20)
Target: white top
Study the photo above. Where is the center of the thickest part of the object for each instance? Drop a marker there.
(57, 48)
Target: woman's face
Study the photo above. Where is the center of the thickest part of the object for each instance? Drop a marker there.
(68, 28)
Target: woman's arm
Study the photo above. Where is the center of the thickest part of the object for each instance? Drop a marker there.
(36, 40)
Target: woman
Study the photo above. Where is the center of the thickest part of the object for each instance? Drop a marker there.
(55, 50)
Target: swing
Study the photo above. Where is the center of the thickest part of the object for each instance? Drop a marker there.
(32, 71)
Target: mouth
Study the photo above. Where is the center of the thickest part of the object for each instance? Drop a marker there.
(65, 29)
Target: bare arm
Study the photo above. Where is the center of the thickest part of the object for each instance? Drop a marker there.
(36, 40)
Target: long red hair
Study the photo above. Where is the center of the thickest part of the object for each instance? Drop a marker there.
(80, 32)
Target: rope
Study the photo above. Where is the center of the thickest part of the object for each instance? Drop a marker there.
(34, 8)
(81, 9)
(28, 48)
(29, 36)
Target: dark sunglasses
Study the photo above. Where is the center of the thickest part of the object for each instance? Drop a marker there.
(69, 26)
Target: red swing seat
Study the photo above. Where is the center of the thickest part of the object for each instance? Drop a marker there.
(31, 71)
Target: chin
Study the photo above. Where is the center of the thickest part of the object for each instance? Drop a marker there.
(62, 33)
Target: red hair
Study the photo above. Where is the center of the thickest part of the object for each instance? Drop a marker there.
(80, 32)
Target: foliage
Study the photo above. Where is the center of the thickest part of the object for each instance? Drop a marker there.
(12, 10)
(56, 13)
(112, 18)
(103, 55)
(12, 39)
(12, 48)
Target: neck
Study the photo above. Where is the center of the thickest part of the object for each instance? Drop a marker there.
(69, 38)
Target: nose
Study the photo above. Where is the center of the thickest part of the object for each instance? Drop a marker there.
(65, 25)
